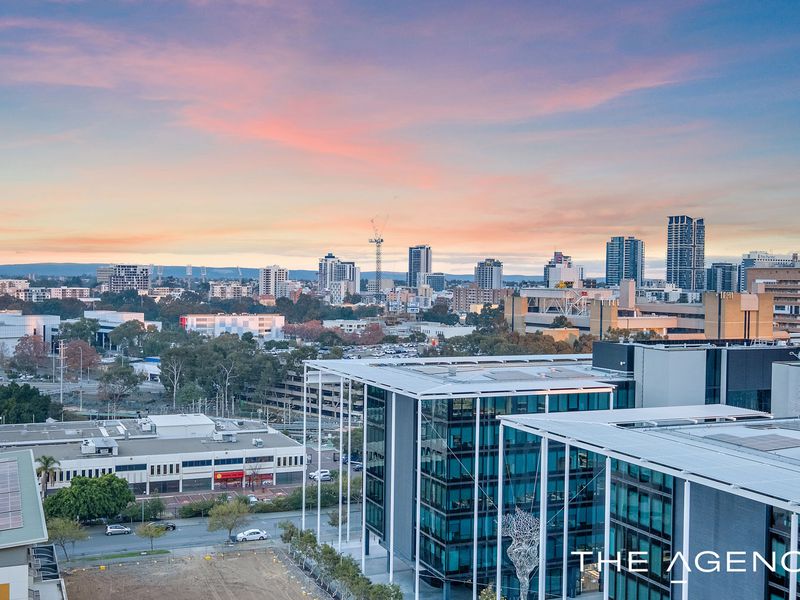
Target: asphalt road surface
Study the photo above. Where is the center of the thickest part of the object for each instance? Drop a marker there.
(192, 533)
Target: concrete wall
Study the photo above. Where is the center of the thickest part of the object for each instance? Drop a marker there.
(786, 389)
(721, 523)
(669, 377)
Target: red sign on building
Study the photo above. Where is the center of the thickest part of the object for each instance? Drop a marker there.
(225, 475)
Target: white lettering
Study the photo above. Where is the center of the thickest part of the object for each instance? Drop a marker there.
(757, 556)
(616, 562)
(637, 561)
(788, 565)
(736, 561)
(582, 554)
(678, 556)
(713, 565)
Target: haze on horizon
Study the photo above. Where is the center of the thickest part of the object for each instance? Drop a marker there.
(250, 132)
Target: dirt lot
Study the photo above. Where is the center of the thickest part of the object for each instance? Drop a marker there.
(245, 577)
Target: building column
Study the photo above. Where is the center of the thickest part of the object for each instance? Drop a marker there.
(319, 457)
(341, 454)
(500, 479)
(349, 448)
(418, 509)
(685, 544)
(792, 574)
(607, 529)
(364, 532)
(565, 541)
(547, 403)
(305, 449)
(392, 471)
(476, 498)
(543, 451)
(611, 400)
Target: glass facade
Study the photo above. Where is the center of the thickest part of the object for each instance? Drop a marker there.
(641, 521)
(778, 541)
(447, 481)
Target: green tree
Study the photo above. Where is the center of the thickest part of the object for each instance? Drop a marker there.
(88, 499)
(80, 329)
(191, 392)
(62, 531)
(25, 404)
(228, 517)
(562, 321)
(128, 335)
(439, 313)
(46, 470)
(151, 531)
(118, 381)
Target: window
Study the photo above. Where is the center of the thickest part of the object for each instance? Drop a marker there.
(137, 467)
(228, 461)
(196, 463)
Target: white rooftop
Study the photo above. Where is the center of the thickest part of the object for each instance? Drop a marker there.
(438, 378)
(180, 420)
(739, 451)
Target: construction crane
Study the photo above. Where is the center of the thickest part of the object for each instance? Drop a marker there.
(203, 274)
(160, 278)
(377, 239)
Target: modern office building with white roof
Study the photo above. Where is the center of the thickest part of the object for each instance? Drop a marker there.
(423, 419)
(706, 496)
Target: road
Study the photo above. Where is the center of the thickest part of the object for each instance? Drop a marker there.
(193, 533)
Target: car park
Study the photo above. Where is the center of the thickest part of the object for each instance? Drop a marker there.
(117, 530)
(251, 535)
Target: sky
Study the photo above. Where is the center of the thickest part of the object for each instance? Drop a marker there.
(254, 132)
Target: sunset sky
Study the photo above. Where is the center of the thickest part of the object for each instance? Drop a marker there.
(249, 132)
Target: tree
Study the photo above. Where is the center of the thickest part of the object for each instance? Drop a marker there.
(333, 518)
(80, 329)
(90, 498)
(63, 531)
(439, 313)
(25, 404)
(127, 335)
(118, 381)
(29, 353)
(562, 321)
(46, 470)
(172, 364)
(229, 516)
(150, 531)
(79, 356)
(189, 394)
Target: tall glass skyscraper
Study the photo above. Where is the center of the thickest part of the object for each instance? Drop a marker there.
(419, 264)
(686, 252)
(624, 260)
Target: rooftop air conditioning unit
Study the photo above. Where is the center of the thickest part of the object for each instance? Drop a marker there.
(258, 442)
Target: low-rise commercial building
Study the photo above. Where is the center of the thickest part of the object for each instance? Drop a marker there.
(164, 453)
(27, 570)
(263, 327)
(14, 325)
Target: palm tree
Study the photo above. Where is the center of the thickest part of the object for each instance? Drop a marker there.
(46, 470)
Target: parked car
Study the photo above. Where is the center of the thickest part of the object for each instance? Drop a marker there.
(356, 466)
(251, 535)
(252, 499)
(117, 530)
(165, 525)
(321, 474)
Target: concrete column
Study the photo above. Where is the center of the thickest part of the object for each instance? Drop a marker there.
(319, 457)
(305, 449)
(364, 532)
(392, 471)
(565, 532)
(349, 448)
(341, 454)
(607, 529)
(611, 400)
(476, 498)
(500, 479)
(685, 549)
(793, 558)
(543, 518)
(418, 509)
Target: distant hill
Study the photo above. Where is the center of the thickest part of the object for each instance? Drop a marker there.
(78, 269)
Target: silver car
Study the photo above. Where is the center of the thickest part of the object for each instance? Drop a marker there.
(251, 535)
(117, 530)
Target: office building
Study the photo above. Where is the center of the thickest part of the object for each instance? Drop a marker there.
(229, 290)
(722, 277)
(560, 272)
(332, 269)
(686, 252)
(624, 260)
(27, 568)
(14, 326)
(437, 281)
(682, 487)
(419, 265)
(764, 260)
(164, 453)
(784, 284)
(120, 278)
(489, 274)
(272, 281)
(263, 327)
(466, 297)
(108, 320)
(436, 401)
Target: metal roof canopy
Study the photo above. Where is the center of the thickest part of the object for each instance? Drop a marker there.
(666, 446)
(416, 379)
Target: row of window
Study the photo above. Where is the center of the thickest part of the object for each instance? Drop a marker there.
(69, 474)
(168, 469)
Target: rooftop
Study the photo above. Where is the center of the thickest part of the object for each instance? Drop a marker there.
(182, 419)
(21, 516)
(440, 378)
(739, 451)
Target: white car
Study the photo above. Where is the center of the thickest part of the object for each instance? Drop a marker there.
(117, 530)
(323, 474)
(251, 535)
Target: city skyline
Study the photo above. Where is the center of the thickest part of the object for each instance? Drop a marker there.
(254, 133)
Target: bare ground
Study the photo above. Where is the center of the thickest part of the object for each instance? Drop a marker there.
(247, 576)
